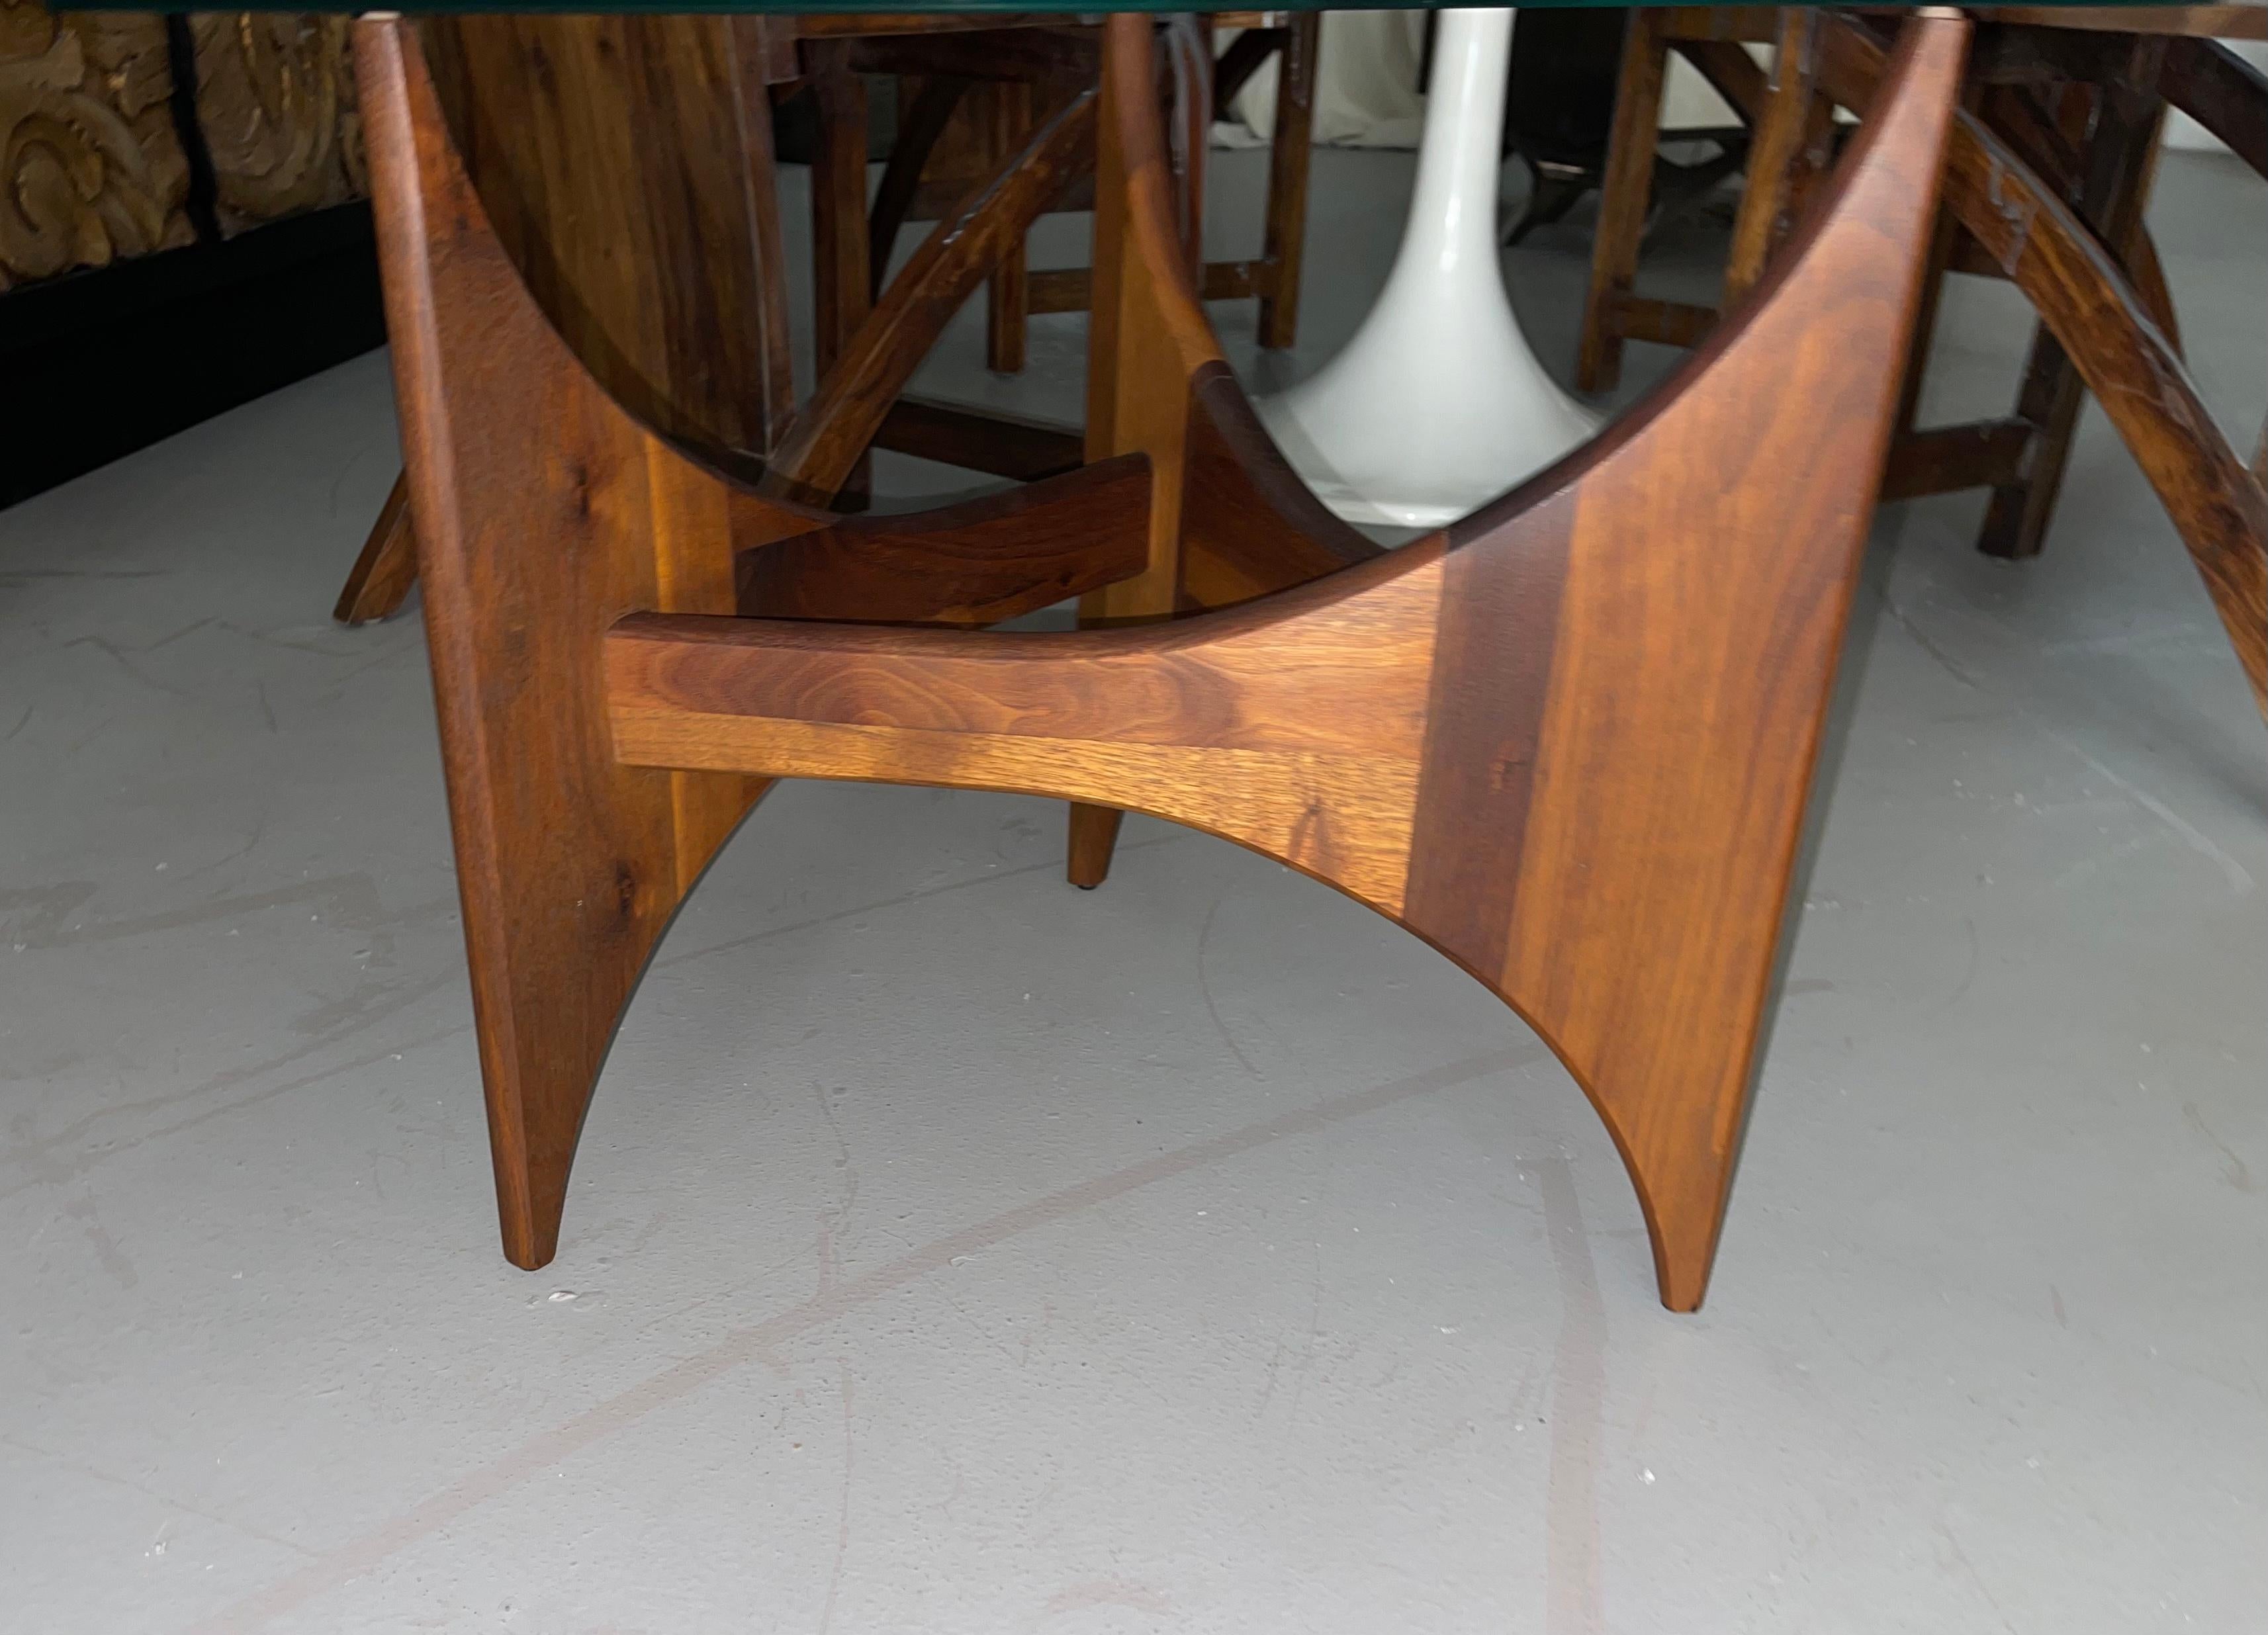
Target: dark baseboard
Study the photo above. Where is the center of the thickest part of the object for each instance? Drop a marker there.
(96, 364)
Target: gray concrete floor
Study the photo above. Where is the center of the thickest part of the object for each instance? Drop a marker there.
(951, 1250)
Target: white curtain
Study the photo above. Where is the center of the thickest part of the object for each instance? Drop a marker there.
(1366, 91)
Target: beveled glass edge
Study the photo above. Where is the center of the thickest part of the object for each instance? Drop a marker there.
(951, 8)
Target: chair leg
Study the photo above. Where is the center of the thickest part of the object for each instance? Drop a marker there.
(1553, 191)
(825, 441)
(921, 121)
(2118, 163)
(380, 579)
(1934, 273)
(843, 269)
(1093, 838)
(1008, 295)
(1775, 151)
(1623, 192)
(2017, 520)
(1007, 312)
(1290, 160)
(1140, 359)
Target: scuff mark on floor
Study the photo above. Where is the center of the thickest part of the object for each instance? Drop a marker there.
(1968, 976)
(2234, 1170)
(843, 1526)
(920, 895)
(1205, 987)
(34, 1157)
(83, 1210)
(1574, 1593)
(546, 1450)
(1106, 1592)
(2240, 878)
(1976, 1579)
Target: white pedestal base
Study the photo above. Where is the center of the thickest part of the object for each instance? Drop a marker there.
(1437, 405)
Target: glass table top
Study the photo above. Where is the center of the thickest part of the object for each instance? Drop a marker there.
(939, 8)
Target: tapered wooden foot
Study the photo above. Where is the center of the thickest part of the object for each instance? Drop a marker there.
(547, 512)
(387, 567)
(544, 513)
(1093, 835)
(1568, 741)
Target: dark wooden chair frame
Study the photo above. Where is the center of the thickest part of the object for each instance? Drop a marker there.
(989, 66)
(1567, 741)
(981, 104)
(2048, 170)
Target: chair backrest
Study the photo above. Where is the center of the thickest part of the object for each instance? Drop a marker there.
(626, 164)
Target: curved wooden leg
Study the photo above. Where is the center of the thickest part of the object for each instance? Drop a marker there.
(1568, 742)
(382, 575)
(547, 514)
(544, 513)
(1145, 350)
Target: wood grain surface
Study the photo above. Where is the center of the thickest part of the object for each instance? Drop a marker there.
(382, 575)
(1569, 743)
(544, 513)
(868, 368)
(618, 161)
(975, 563)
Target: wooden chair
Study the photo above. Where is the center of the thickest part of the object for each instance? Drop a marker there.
(2050, 166)
(1558, 114)
(995, 81)
(958, 114)
(712, 369)
(1566, 741)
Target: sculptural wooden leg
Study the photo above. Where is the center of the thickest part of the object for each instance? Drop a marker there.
(387, 567)
(547, 513)
(543, 514)
(1567, 741)
(1137, 375)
